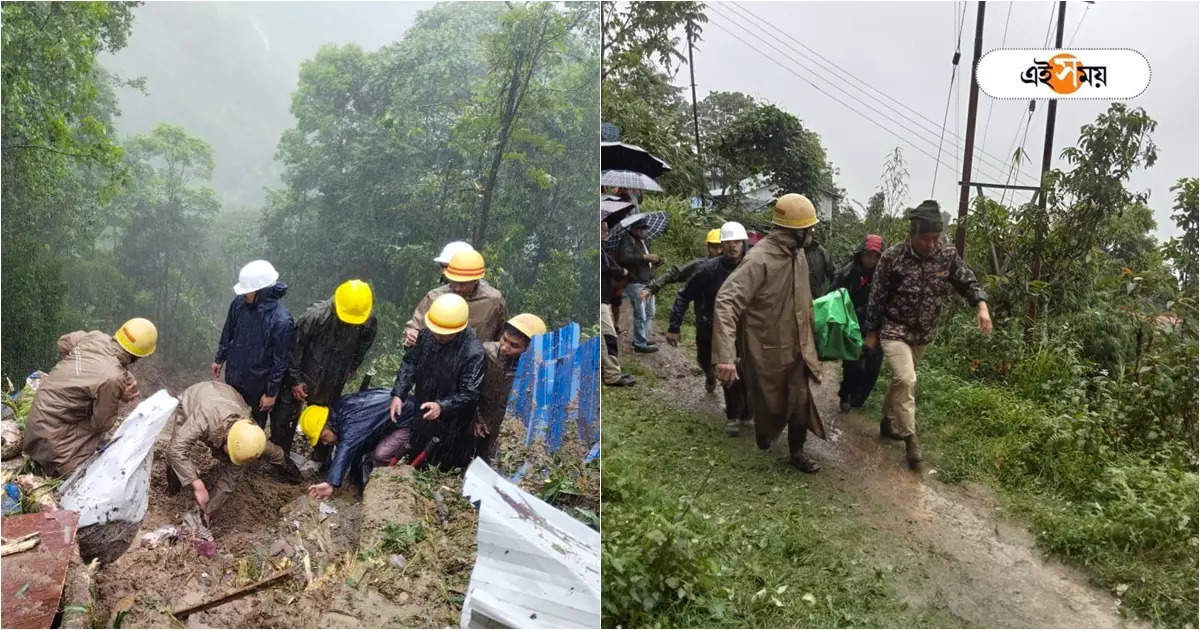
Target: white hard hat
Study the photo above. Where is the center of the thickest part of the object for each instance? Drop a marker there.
(257, 274)
(450, 250)
(733, 231)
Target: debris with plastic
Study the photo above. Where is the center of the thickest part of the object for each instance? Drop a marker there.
(305, 464)
(10, 439)
(398, 561)
(166, 533)
(112, 488)
(327, 509)
(193, 523)
(536, 567)
(12, 499)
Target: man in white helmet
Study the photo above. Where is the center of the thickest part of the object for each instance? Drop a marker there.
(256, 340)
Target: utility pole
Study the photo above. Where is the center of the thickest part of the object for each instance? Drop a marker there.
(960, 235)
(1035, 271)
(696, 117)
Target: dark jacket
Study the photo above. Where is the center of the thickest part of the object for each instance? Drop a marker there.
(356, 419)
(908, 290)
(451, 375)
(631, 253)
(855, 280)
(701, 290)
(676, 273)
(611, 272)
(820, 269)
(255, 344)
(325, 350)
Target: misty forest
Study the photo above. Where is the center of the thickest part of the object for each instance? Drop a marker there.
(477, 122)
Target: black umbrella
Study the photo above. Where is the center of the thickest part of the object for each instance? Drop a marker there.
(618, 155)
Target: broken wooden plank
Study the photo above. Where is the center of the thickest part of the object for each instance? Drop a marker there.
(25, 544)
(32, 584)
(232, 595)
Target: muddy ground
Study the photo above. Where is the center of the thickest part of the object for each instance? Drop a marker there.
(981, 565)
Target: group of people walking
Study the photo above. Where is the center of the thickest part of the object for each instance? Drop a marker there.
(445, 407)
(755, 325)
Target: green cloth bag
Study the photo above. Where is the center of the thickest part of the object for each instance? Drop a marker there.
(837, 332)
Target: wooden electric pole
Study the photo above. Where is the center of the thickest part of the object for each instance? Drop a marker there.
(1035, 270)
(696, 117)
(960, 234)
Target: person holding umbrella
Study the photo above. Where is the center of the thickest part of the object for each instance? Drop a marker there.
(634, 255)
(612, 281)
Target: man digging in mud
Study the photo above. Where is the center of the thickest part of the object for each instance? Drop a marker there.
(906, 299)
(764, 308)
(701, 289)
(216, 415)
(500, 368)
(352, 427)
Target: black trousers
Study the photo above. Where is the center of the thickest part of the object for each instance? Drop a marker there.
(704, 346)
(858, 377)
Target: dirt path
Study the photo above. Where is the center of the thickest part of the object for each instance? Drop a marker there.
(976, 562)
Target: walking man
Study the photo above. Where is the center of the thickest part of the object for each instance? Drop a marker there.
(764, 309)
(911, 282)
(702, 290)
(612, 283)
(859, 376)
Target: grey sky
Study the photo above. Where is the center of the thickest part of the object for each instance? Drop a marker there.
(904, 49)
(226, 70)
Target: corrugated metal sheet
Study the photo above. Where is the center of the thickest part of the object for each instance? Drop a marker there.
(536, 566)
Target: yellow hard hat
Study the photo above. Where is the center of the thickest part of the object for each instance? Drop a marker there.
(245, 442)
(352, 301)
(465, 266)
(714, 237)
(794, 211)
(529, 324)
(138, 336)
(448, 314)
(312, 421)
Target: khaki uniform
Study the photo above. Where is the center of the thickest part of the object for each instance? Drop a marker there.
(493, 397)
(488, 311)
(77, 402)
(206, 412)
(765, 308)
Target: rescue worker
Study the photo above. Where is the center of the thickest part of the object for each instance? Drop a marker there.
(332, 339)
(766, 305)
(612, 279)
(78, 400)
(437, 387)
(465, 275)
(500, 368)
(635, 256)
(702, 290)
(681, 273)
(351, 427)
(256, 339)
(911, 282)
(214, 414)
(448, 252)
(820, 269)
(859, 376)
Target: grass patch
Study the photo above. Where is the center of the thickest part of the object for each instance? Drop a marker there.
(704, 531)
(1128, 518)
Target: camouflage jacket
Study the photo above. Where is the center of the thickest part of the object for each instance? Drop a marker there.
(908, 291)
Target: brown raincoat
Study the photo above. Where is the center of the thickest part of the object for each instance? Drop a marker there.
(77, 402)
(764, 309)
(488, 311)
(206, 412)
(493, 397)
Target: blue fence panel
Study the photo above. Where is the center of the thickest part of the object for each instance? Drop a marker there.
(557, 382)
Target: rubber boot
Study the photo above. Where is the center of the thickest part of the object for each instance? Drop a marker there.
(733, 428)
(912, 452)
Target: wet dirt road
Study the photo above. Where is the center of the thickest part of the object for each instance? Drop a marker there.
(971, 558)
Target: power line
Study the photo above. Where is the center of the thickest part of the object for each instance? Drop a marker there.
(1080, 23)
(992, 102)
(932, 127)
(946, 113)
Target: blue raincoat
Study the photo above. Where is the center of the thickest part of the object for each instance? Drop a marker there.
(256, 343)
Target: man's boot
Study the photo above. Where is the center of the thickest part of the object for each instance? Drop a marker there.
(886, 431)
(710, 380)
(805, 463)
(912, 452)
(733, 428)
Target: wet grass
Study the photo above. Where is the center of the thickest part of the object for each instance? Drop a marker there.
(701, 530)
